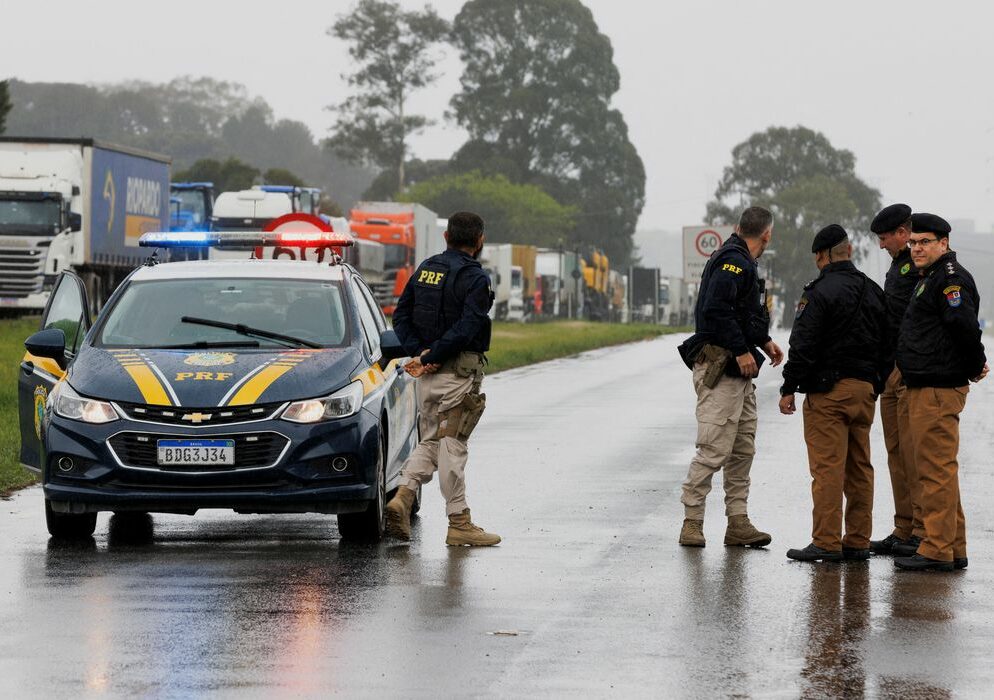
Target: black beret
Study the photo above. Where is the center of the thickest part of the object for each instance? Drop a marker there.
(830, 236)
(930, 223)
(890, 218)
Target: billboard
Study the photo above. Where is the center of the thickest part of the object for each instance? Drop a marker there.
(698, 244)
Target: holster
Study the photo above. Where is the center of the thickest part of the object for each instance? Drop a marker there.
(717, 359)
(460, 420)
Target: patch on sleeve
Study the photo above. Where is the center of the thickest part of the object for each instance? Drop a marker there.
(905, 268)
(735, 269)
(953, 297)
(920, 289)
(801, 305)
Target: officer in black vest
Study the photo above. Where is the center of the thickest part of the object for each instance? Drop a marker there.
(442, 321)
(839, 357)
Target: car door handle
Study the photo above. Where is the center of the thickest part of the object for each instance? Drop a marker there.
(27, 367)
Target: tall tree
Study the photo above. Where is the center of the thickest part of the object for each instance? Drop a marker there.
(228, 176)
(536, 101)
(4, 104)
(393, 53)
(807, 183)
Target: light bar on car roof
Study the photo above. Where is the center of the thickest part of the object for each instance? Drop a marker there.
(245, 239)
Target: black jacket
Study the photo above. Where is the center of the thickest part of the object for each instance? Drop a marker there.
(729, 312)
(898, 286)
(940, 342)
(444, 308)
(840, 332)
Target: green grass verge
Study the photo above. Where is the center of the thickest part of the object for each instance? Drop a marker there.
(519, 344)
(514, 345)
(12, 335)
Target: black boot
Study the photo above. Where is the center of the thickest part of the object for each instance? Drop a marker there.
(853, 554)
(908, 548)
(920, 563)
(960, 563)
(886, 545)
(812, 553)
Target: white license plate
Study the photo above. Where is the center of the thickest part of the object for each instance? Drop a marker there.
(195, 452)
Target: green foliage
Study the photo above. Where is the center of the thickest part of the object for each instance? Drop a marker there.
(386, 185)
(282, 176)
(229, 175)
(513, 213)
(535, 99)
(392, 52)
(4, 103)
(189, 119)
(807, 184)
(12, 336)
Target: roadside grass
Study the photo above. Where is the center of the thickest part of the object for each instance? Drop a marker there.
(12, 335)
(514, 345)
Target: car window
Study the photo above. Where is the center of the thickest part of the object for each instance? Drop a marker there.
(150, 313)
(381, 321)
(66, 312)
(368, 322)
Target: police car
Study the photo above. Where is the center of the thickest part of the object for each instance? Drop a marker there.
(255, 385)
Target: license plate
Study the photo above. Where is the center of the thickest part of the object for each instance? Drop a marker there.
(195, 452)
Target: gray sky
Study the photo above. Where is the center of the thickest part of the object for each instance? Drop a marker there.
(904, 85)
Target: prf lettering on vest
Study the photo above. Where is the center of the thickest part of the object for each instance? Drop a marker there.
(203, 376)
(432, 278)
(732, 268)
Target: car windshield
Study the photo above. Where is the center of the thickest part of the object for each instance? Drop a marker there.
(191, 215)
(150, 313)
(30, 215)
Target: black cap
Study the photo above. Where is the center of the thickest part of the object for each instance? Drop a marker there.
(830, 236)
(930, 223)
(890, 218)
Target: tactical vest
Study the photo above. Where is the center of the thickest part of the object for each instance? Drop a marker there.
(436, 306)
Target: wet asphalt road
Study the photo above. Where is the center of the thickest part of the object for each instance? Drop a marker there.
(578, 465)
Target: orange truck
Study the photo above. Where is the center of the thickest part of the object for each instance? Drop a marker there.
(409, 234)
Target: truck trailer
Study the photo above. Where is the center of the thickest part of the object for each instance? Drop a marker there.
(74, 203)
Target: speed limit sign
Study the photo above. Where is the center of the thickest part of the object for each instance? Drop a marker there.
(698, 244)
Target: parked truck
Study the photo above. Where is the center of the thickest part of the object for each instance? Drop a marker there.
(595, 268)
(191, 206)
(409, 233)
(74, 203)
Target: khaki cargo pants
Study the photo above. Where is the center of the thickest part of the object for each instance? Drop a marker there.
(837, 431)
(901, 459)
(934, 414)
(439, 397)
(726, 439)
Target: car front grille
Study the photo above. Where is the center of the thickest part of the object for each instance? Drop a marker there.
(183, 415)
(252, 450)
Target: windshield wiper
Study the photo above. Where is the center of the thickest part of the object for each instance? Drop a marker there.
(201, 344)
(242, 329)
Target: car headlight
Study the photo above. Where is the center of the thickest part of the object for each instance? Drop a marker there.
(68, 404)
(343, 403)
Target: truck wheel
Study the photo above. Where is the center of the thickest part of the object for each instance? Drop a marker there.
(370, 524)
(69, 526)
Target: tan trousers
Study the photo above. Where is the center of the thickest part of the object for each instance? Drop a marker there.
(837, 431)
(726, 439)
(901, 459)
(934, 415)
(438, 393)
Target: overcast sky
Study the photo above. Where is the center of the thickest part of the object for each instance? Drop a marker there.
(904, 85)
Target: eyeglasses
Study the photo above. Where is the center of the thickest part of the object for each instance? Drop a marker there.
(922, 242)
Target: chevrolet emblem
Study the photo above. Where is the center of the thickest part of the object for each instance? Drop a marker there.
(197, 417)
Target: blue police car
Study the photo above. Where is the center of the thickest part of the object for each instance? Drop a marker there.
(260, 386)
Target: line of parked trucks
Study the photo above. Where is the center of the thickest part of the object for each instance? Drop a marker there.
(83, 204)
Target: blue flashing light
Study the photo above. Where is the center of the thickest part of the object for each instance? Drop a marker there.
(287, 189)
(174, 239)
(245, 239)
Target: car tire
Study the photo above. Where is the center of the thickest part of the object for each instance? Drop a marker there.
(370, 524)
(69, 526)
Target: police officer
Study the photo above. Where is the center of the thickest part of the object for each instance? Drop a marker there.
(939, 352)
(893, 227)
(441, 320)
(839, 357)
(731, 323)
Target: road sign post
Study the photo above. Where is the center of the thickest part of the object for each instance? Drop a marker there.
(698, 244)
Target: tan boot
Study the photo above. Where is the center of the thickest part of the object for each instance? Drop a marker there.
(742, 533)
(462, 531)
(692, 533)
(398, 512)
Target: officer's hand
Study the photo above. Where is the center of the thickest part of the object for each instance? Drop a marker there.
(773, 352)
(787, 406)
(982, 374)
(747, 365)
(414, 367)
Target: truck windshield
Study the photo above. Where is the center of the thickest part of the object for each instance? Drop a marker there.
(394, 256)
(150, 314)
(192, 214)
(31, 216)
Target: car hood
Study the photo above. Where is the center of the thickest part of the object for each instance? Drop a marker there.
(208, 379)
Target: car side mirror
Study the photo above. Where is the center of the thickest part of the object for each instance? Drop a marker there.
(50, 343)
(75, 221)
(390, 346)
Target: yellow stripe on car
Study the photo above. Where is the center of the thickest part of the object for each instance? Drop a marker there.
(45, 364)
(257, 385)
(148, 384)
